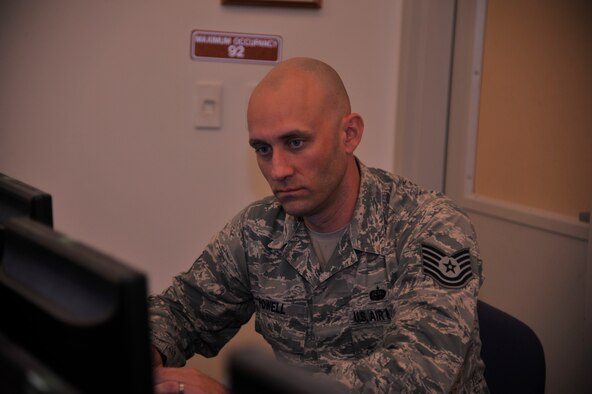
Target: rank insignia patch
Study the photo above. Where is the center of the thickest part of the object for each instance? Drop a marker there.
(452, 271)
(378, 294)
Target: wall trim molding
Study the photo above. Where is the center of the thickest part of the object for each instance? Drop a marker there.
(524, 215)
(424, 91)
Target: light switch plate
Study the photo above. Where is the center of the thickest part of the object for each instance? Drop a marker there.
(208, 105)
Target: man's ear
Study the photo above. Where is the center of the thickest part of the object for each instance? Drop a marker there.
(353, 126)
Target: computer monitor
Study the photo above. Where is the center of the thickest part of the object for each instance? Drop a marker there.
(79, 313)
(19, 199)
(21, 373)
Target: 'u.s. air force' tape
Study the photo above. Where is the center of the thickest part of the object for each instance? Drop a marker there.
(452, 271)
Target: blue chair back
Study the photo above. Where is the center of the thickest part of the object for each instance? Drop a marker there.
(513, 354)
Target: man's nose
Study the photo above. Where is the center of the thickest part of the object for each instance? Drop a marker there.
(281, 167)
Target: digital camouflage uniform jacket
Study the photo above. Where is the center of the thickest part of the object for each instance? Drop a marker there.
(393, 311)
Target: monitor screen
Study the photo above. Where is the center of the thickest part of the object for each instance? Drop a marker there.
(18, 199)
(78, 312)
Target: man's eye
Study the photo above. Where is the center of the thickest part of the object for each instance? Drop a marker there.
(295, 144)
(262, 150)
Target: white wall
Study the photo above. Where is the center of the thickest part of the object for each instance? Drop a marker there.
(96, 109)
(539, 277)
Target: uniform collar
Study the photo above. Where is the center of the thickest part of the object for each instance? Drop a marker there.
(367, 226)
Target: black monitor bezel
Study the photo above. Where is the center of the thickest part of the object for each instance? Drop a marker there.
(25, 200)
(92, 352)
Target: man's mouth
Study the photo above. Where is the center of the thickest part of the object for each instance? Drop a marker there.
(287, 192)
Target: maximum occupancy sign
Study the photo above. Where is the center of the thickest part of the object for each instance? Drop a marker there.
(235, 47)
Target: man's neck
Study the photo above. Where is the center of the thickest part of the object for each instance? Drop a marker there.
(341, 210)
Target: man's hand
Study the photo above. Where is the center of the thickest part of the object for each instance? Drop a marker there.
(182, 380)
(185, 381)
(156, 358)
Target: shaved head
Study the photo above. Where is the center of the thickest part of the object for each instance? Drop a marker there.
(308, 73)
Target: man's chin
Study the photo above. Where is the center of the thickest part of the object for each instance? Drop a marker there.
(295, 208)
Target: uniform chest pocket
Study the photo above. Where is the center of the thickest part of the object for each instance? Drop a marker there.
(283, 324)
(370, 308)
(370, 318)
(366, 339)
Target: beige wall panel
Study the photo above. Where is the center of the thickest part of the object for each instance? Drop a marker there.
(535, 122)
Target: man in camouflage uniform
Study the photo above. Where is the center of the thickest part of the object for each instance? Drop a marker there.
(352, 272)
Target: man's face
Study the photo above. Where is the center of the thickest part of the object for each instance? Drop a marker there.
(299, 147)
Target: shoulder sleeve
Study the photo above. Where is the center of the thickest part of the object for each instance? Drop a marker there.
(432, 343)
(205, 306)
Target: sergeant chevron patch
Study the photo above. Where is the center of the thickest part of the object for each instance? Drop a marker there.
(452, 271)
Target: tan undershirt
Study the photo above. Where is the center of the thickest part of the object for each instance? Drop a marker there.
(324, 244)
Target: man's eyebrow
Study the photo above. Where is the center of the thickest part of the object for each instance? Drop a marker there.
(284, 137)
(295, 134)
(256, 142)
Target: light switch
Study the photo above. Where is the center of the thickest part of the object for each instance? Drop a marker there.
(208, 106)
